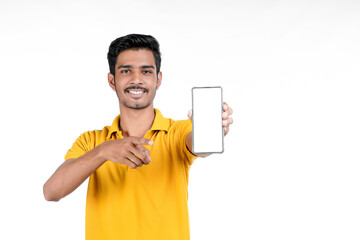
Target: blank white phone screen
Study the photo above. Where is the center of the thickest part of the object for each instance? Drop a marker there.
(208, 133)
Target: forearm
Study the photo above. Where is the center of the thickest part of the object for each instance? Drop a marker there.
(71, 174)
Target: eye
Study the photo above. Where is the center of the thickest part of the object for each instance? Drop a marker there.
(125, 71)
(147, 71)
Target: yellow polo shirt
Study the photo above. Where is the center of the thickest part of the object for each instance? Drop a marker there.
(149, 202)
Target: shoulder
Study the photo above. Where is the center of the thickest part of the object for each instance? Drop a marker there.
(99, 136)
(171, 126)
(86, 142)
(90, 139)
(180, 125)
(95, 137)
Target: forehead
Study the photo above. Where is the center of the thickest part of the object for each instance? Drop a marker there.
(136, 57)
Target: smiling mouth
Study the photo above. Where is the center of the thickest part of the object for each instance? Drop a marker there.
(136, 92)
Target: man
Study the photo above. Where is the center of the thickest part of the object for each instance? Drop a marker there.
(139, 165)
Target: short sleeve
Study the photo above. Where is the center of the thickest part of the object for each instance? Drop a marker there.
(183, 128)
(83, 144)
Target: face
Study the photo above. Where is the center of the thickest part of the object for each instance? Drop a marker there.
(135, 80)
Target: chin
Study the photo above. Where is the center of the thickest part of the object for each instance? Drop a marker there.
(136, 106)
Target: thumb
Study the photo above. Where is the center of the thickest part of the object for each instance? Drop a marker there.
(190, 114)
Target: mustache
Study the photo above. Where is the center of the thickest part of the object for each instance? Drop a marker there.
(135, 88)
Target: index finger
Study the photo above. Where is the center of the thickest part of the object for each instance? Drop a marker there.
(142, 141)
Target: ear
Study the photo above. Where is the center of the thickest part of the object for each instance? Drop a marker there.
(159, 78)
(111, 81)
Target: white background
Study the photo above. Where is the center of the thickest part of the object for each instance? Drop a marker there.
(289, 69)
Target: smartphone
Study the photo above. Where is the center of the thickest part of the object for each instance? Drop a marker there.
(207, 129)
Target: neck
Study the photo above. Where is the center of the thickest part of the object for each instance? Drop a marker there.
(136, 123)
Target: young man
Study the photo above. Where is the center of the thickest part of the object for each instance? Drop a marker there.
(138, 166)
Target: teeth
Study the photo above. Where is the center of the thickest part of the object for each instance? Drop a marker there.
(136, 92)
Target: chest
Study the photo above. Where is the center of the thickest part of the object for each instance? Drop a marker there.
(167, 166)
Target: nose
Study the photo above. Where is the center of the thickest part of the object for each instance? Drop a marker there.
(137, 78)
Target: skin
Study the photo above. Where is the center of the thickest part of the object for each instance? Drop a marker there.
(135, 68)
(135, 83)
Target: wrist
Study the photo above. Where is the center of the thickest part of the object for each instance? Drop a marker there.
(100, 154)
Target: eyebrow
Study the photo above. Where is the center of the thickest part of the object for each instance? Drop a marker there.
(130, 66)
(148, 66)
(124, 66)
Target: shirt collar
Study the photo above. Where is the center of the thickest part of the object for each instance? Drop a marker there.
(160, 123)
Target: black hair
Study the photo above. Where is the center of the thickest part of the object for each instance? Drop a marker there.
(133, 41)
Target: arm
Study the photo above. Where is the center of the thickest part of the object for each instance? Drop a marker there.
(227, 120)
(72, 173)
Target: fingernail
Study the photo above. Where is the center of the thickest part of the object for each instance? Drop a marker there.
(150, 143)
